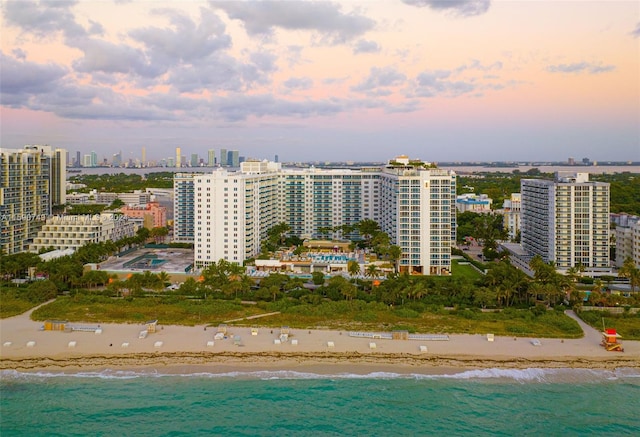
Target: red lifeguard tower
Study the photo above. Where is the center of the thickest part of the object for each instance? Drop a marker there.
(610, 341)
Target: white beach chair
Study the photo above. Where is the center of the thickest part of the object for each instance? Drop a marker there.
(7, 344)
(211, 343)
(277, 341)
(373, 346)
(331, 344)
(72, 344)
(423, 349)
(294, 342)
(31, 344)
(125, 345)
(157, 344)
(490, 337)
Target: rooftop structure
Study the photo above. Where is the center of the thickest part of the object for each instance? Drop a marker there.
(478, 203)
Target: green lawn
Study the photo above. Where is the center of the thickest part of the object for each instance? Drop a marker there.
(464, 270)
(13, 302)
(627, 325)
(343, 315)
(101, 309)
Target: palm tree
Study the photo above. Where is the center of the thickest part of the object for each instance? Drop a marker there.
(395, 253)
(164, 277)
(368, 228)
(353, 268)
(372, 271)
(631, 272)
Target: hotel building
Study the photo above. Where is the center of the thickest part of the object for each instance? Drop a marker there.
(32, 180)
(566, 220)
(412, 202)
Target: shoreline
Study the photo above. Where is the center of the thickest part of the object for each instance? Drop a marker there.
(320, 362)
(24, 346)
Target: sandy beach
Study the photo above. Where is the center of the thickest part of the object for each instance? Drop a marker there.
(24, 346)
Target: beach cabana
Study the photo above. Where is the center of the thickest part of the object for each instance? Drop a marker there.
(400, 335)
(55, 325)
(151, 326)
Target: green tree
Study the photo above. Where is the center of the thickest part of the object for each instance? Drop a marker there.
(631, 272)
(317, 278)
(395, 253)
(353, 268)
(372, 271)
(368, 229)
(41, 291)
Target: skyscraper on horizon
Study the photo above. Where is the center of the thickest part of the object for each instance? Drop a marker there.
(224, 159)
(178, 157)
(211, 158)
(194, 160)
(143, 158)
(234, 158)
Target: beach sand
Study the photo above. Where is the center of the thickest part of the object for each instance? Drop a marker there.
(188, 347)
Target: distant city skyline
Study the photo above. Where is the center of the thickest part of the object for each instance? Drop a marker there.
(474, 80)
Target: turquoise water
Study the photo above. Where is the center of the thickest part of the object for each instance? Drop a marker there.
(488, 402)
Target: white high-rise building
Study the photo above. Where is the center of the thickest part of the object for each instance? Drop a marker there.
(566, 220)
(511, 209)
(627, 235)
(412, 202)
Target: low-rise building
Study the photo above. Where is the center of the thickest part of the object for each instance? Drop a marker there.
(152, 214)
(474, 203)
(74, 231)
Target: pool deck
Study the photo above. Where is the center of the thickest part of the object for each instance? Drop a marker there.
(176, 260)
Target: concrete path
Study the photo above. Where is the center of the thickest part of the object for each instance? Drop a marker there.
(592, 335)
(253, 317)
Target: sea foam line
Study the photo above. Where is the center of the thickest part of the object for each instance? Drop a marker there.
(517, 375)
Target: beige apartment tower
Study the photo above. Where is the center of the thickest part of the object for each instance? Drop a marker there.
(566, 220)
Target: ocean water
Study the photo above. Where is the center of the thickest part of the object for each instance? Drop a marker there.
(536, 402)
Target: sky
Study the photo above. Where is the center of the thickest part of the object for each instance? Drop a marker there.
(438, 80)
